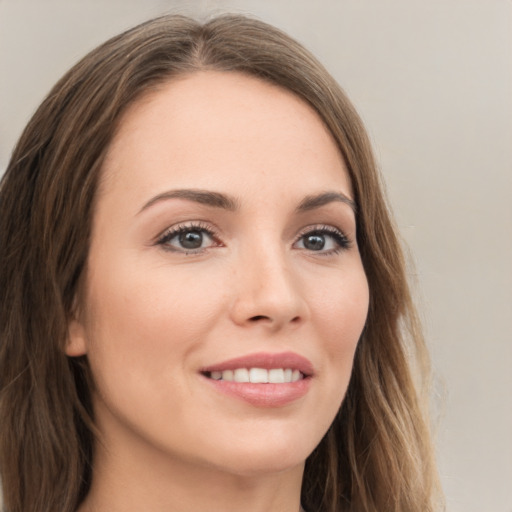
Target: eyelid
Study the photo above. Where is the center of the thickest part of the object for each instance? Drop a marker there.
(342, 240)
(174, 230)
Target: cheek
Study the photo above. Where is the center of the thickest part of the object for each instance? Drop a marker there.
(149, 315)
(340, 313)
(143, 332)
(342, 307)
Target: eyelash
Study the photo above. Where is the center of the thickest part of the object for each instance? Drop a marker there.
(200, 227)
(341, 241)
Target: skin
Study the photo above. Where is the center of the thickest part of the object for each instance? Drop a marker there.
(154, 314)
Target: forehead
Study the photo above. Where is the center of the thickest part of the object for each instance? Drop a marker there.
(214, 128)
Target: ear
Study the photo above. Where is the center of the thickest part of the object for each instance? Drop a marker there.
(76, 344)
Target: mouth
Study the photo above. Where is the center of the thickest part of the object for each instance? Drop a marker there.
(262, 379)
(262, 368)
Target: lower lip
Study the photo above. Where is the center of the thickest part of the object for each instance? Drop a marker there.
(263, 395)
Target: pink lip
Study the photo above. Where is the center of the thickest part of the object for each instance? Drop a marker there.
(264, 395)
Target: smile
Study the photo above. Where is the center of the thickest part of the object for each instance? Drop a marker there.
(262, 379)
(258, 375)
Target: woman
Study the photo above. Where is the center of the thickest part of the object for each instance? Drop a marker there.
(204, 303)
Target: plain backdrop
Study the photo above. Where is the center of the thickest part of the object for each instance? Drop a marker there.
(433, 82)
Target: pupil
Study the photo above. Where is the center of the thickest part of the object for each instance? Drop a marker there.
(314, 242)
(191, 239)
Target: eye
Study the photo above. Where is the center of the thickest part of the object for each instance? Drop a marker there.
(188, 239)
(325, 239)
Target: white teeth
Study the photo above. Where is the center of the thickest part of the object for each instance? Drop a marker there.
(258, 375)
(276, 376)
(241, 375)
(228, 375)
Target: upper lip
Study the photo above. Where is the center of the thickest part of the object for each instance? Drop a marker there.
(264, 360)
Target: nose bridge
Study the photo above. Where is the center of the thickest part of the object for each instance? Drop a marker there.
(268, 290)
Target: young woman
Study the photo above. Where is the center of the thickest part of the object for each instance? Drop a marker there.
(203, 300)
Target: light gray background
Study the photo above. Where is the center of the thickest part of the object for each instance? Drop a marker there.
(433, 82)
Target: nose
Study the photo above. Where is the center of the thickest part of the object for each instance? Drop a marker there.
(267, 291)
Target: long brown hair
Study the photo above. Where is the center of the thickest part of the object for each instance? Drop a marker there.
(377, 455)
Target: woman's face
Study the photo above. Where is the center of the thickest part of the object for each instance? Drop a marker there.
(223, 251)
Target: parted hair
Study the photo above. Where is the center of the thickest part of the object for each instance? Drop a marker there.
(377, 455)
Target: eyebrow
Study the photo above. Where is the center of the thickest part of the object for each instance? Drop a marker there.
(206, 197)
(318, 200)
(226, 202)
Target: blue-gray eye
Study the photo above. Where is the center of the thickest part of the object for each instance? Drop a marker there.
(325, 240)
(187, 239)
(191, 239)
(314, 242)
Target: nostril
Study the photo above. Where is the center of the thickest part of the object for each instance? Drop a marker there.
(259, 317)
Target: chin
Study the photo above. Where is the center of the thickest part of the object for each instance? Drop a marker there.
(268, 454)
(261, 464)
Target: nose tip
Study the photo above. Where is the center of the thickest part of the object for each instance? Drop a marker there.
(268, 294)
